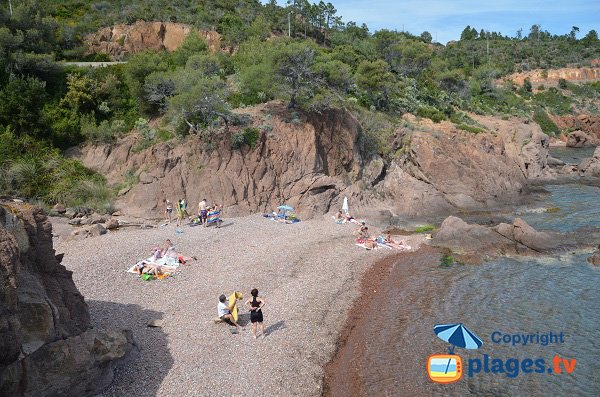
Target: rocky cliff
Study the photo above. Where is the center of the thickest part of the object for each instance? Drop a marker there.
(551, 76)
(46, 345)
(585, 129)
(121, 40)
(313, 161)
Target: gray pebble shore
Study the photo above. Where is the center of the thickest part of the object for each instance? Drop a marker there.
(308, 273)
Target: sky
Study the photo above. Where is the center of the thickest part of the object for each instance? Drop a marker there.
(447, 19)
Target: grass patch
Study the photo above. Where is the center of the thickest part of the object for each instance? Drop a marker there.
(446, 260)
(470, 128)
(545, 123)
(424, 229)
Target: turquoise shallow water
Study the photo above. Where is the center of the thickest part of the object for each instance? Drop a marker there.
(536, 296)
(573, 207)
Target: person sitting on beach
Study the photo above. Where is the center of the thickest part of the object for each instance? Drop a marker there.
(156, 253)
(371, 243)
(168, 247)
(363, 231)
(255, 306)
(224, 312)
(339, 218)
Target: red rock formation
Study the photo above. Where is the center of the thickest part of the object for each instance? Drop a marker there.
(553, 75)
(588, 124)
(120, 40)
(46, 345)
(314, 163)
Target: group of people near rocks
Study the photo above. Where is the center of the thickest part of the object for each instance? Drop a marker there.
(204, 214)
(364, 236)
(255, 305)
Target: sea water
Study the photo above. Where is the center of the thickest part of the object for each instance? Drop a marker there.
(533, 297)
(537, 296)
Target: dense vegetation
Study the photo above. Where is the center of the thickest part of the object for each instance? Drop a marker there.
(326, 63)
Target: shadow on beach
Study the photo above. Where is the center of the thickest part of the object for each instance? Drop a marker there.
(148, 367)
(274, 327)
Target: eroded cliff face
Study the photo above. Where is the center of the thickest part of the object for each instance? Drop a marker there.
(553, 75)
(121, 40)
(46, 345)
(585, 129)
(311, 163)
(305, 164)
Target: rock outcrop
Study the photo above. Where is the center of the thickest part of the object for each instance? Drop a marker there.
(590, 167)
(313, 161)
(518, 238)
(542, 76)
(120, 40)
(588, 124)
(581, 139)
(46, 345)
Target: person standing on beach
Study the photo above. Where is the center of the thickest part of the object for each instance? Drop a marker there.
(202, 212)
(168, 211)
(224, 312)
(181, 211)
(256, 316)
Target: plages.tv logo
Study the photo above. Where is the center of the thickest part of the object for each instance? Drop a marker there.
(448, 368)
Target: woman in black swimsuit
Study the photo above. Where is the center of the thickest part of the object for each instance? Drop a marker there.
(255, 306)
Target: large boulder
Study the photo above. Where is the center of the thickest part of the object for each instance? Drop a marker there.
(522, 233)
(46, 345)
(590, 166)
(580, 139)
(518, 238)
(459, 236)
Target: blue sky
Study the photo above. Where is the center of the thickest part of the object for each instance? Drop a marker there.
(449, 18)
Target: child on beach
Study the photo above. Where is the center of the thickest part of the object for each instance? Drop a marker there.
(255, 306)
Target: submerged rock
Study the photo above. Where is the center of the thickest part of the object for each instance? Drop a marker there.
(46, 345)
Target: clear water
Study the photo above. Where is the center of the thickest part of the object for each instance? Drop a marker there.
(571, 155)
(528, 297)
(535, 295)
(571, 207)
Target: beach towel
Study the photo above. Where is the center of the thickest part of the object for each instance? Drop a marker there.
(213, 217)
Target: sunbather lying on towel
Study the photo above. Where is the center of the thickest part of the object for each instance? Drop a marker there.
(389, 241)
(143, 267)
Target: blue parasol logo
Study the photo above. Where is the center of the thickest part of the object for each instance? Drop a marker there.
(458, 336)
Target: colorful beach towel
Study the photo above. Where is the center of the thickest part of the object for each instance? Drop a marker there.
(213, 217)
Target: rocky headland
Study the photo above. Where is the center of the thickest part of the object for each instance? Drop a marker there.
(47, 344)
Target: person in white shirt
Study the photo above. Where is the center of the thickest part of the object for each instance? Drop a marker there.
(224, 312)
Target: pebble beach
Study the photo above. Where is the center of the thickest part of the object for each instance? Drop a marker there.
(308, 273)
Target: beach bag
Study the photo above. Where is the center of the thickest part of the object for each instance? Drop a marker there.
(147, 277)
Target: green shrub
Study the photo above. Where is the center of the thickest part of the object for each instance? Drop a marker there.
(105, 132)
(562, 84)
(545, 123)
(470, 128)
(446, 260)
(424, 229)
(249, 136)
(431, 113)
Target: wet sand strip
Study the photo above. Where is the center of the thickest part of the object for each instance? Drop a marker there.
(387, 337)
